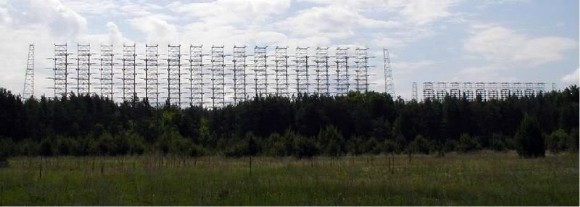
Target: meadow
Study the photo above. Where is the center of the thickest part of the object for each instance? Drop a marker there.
(483, 178)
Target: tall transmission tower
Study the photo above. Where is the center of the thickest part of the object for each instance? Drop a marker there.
(322, 75)
(29, 78)
(60, 70)
(414, 95)
(389, 84)
(197, 81)
(217, 76)
(107, 71)
(129, 73)
(342, 77)
(152, 74)
(361, 71)
(281, 71)
(301, 70)
(83, 69)
(174, 74)
(260, 71)
(239, 74)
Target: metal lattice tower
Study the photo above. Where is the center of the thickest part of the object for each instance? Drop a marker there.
(414, 92)
(480, 90)
(389, 83)
(322, 75)
(28, 90)
(455, 89)
(60, 70)
(107, 71)
(129, 73)
(342, 75)
(260, 71)
(301, 70)
(174, 74)
(217, 76)
(441, 90)
(152, 74)
(83, 69)
(361, 71)
(197, 82)
(428, 92)
(492, 91)
(281, 71)
(239, 74)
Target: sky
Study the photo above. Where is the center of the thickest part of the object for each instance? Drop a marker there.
(428, 40)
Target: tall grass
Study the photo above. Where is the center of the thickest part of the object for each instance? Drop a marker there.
(472, 179)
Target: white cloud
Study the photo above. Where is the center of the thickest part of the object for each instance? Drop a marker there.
(332, 21)
(418, 12)
(222, 12)
(504, 45)
(572, 78)
(63, 22)
(156, 30)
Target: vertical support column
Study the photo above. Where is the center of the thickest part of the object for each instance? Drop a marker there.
(342, 79)
(322, 76)
(129, 73)
(107, 71)
(239, 74)
(217, 76)
(260, 71)
(152, 74)
(428, 90)
(480, 90)
(302, 74)
(441, 90)
(174, 74)
(83, 69)
(197, 74)
(61, 70)
(389, 82)
(28, 90)
(361, 76)
(281, 71)
(414, 94)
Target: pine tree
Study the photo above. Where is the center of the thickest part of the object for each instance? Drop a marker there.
(529, 139)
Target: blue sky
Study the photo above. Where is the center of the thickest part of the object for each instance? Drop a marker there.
(443, 40)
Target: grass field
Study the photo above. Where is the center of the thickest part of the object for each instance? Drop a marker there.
(474, 179)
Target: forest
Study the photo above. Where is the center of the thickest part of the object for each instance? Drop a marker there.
(301, 127)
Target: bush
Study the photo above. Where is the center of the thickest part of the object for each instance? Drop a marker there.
(557, 141)
(389, 146)
(245, 147)
(420, 145)
(305, 147)
(5, 150)
(332, 141)
(467, 143)
(498, 142)
(529, 139)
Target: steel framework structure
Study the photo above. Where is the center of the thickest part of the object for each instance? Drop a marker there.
(28, 90)
(107, 72)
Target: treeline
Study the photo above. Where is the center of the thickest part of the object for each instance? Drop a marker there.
(304, 126)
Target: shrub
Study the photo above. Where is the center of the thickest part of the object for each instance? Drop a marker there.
(467, 143)
(332, 141)
(420, 145)
(305, 147)
(556, 142)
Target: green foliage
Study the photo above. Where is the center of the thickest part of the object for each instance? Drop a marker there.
(467, 144)
(557, 141)
(332, 141)
(529, 139)
(420, 145)
(358, 123)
